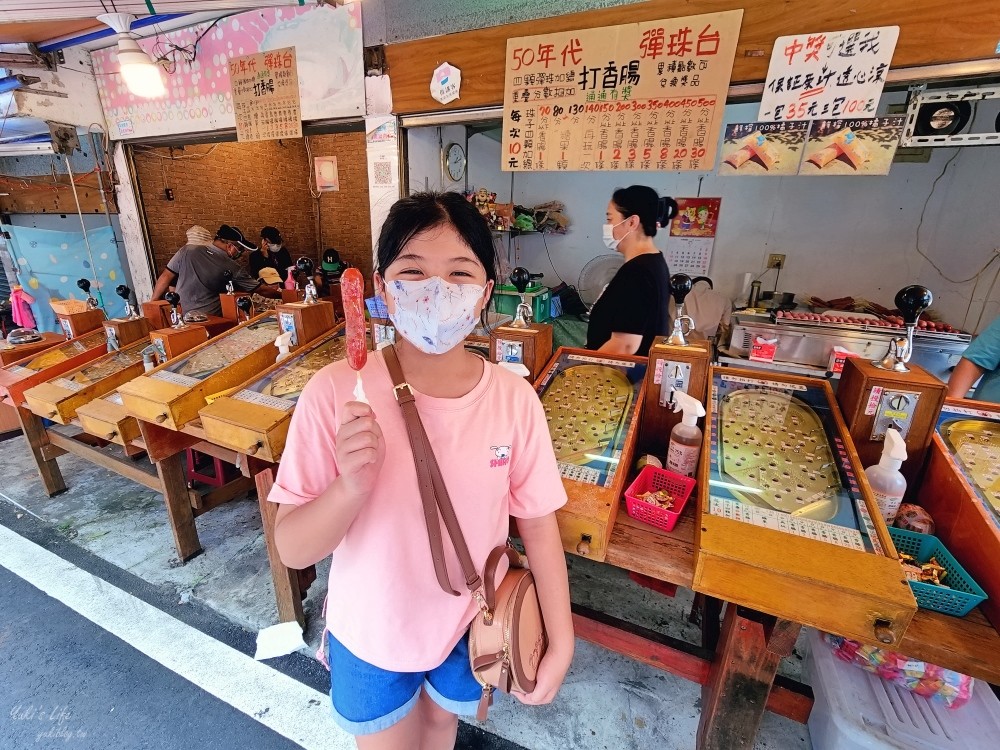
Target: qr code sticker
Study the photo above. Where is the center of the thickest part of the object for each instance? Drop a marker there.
(382, 173)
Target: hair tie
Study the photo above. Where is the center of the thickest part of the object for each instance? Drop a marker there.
(666, 210)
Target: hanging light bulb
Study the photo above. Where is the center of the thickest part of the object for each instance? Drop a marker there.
(140, 73)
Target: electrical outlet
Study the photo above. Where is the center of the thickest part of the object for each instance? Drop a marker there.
(776, 260)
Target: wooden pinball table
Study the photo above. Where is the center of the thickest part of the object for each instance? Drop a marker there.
(737, 664)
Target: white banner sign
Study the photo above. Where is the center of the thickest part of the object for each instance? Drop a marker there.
(832, 74)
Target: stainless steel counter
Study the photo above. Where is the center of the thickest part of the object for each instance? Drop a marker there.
(809, 343)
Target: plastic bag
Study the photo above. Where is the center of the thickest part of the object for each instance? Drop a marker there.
(953, 689)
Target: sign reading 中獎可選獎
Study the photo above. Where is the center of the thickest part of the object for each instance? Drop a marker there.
(266, 95)
(827, 75)
(639, 97)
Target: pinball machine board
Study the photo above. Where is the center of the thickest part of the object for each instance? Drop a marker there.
(59, 398)
(591, 406)
(16, 378)
(788, 523)
(961, 491)
(254, 418)
(586, 407)
(975, 443)
(171, 394)
(775, 450)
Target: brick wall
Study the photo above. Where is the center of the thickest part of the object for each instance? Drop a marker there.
(256, 184)
(345, 214)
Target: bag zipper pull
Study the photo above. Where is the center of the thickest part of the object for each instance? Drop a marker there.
(484, 703)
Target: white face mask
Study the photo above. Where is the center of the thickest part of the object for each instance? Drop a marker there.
(433, 314)
(274, 246)
(609, 235)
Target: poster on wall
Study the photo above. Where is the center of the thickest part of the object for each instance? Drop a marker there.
(327, 175)
(692, 235)
(265, 89)
(639, 97)
(762, 148)
(852, 147)
(328, 51)
(827, 74)
(48, 264)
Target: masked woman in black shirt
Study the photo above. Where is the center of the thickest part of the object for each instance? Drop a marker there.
(633, 309)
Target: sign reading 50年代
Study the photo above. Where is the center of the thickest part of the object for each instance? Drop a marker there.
(266, 95)
(646, 96)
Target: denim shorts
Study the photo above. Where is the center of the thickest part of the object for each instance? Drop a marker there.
(367, 699)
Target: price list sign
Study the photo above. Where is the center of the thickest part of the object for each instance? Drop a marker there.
(266, 95)
(827, 74)
(639, 97)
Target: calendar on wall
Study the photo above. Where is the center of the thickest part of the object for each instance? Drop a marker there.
(692, 235)
(690, 255)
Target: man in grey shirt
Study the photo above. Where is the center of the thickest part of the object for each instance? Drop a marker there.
(199, 270)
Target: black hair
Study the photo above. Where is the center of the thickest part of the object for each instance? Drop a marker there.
(644, 202)
(271, 234)
(419, 212)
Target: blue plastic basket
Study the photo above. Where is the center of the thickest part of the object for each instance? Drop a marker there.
(963, 593)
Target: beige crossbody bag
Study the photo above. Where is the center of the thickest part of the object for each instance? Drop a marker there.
(507, 639)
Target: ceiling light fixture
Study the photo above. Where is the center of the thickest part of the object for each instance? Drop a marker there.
(141, 74)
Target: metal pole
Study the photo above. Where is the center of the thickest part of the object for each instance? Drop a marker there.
(86, 239)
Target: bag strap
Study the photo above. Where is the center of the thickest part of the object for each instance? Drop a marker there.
(433, 492)
(489, 572)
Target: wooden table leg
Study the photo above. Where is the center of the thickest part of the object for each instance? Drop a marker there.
(287, 585)
(746, 661)
(711, 622)
(42, 451)
(175, 497)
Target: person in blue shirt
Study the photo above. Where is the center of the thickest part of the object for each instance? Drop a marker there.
(981, 358)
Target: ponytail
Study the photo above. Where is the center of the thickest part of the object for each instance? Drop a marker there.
(642, 201)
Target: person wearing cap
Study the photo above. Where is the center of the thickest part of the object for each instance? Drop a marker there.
(271, 262)
(200, 269)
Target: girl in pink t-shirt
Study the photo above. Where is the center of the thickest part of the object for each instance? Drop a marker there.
(397, 643)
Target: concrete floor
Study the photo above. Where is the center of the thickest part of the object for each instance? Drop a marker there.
(608, 701)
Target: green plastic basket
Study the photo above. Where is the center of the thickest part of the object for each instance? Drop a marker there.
(963, 593)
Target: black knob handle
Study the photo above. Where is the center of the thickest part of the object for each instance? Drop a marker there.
(520, 278)
(123, 291)
(84, 284)
(912, 301)
(305, 265)
(680, 287)
(244, 304)
(173, 298)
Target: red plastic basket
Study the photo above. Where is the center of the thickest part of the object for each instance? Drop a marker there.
(651, 479)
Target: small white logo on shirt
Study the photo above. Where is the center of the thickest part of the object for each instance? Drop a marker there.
(502, 453)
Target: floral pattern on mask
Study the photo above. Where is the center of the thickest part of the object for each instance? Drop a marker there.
(432, 314)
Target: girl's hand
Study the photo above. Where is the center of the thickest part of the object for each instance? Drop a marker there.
(551, 673)
(360, 449)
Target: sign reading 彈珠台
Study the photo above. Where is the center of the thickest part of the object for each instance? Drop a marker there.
(638, 97)
(266, 95)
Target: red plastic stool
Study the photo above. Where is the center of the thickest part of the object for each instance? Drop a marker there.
(200, 464)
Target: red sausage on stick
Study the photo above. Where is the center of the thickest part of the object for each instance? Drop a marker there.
(352, 290)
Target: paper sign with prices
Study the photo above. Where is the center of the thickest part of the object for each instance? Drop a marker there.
(827, 74)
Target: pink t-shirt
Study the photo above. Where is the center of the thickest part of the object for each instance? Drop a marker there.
(495, 453)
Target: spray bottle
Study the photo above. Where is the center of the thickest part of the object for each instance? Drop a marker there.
(284, 342)
(685, 438)
(887, 483)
